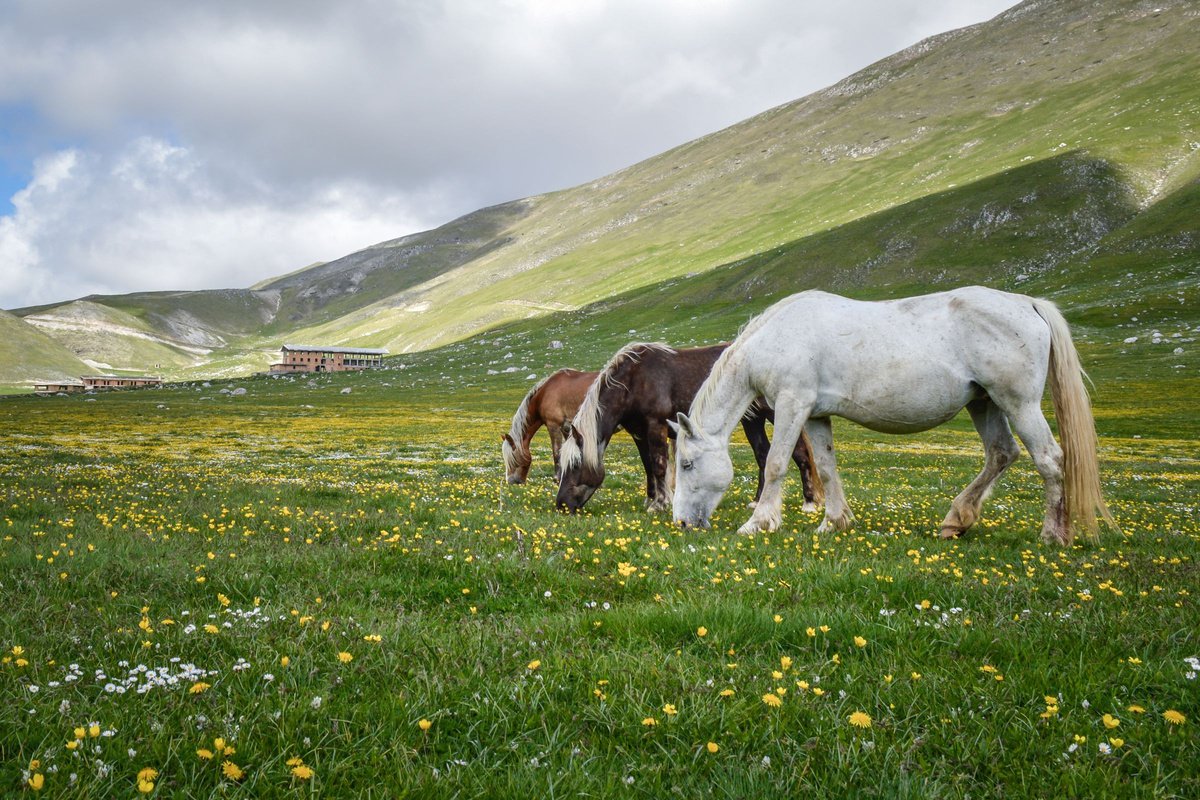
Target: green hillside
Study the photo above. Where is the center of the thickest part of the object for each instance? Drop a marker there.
(1053, 149)
(31, 356)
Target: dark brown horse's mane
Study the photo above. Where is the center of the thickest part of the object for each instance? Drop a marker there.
(587, 419)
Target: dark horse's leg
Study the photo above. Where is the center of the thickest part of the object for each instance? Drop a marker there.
(754, 424)
(639, 434)
(658, 444)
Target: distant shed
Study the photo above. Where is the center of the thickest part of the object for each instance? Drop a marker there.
(317, 358)
(58, 387)
(91, 382)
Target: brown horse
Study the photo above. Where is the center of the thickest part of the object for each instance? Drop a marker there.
(641, 387)
(552, 402)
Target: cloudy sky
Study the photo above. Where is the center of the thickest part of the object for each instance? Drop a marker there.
(148, 144)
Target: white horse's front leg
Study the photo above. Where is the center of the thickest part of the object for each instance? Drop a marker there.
(837, 512)
(790, 417)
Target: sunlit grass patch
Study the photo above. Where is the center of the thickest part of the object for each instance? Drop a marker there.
(348, 596)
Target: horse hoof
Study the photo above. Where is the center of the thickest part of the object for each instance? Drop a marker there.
(809, 508)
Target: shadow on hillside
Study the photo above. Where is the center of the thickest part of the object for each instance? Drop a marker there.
(1003, 231)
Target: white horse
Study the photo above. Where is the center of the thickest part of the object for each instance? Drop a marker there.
(898, 366)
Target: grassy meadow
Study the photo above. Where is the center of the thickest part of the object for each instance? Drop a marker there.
(300, 591)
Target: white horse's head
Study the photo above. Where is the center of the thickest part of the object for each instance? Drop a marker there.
(703, 471)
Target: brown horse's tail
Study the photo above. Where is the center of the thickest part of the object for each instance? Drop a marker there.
(814, 475)
(1076, 427)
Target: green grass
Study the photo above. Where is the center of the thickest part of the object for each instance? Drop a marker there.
(323, 519)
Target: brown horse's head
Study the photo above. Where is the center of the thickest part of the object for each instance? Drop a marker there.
(516, 459)
(580, 479)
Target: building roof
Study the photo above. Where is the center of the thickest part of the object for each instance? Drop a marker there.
(358, 351)
(122, 377)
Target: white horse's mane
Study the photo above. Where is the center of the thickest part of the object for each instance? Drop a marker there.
(587, 418)
(725, 363)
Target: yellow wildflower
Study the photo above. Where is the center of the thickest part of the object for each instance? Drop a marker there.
(1173, 717)
(712, 747)
(345, 657)
(532, 665)
(1110, 721)
(772, 699)
(424, 724)
(232, 771)
(860, 719)
(302, 772)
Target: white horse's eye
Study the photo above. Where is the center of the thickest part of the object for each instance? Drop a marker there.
(685, 464)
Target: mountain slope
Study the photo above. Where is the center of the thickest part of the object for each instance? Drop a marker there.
(32, 356)
(1108, 79)
(1016, 147)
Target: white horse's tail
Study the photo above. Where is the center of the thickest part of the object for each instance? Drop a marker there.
(1076, 427)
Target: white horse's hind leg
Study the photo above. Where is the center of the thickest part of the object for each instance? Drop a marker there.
(789, 422)
(1047, 456)
(1000, 450)
(837, 512)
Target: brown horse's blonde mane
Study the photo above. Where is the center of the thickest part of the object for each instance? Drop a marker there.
(587, 418)
(520, 421)
(521, 418)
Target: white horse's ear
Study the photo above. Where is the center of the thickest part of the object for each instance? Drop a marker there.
(684, 425)
(674, 426)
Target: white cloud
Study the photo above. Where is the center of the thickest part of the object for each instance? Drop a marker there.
(151, 218)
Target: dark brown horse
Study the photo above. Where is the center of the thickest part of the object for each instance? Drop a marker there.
(552, 402)
(641, 387)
